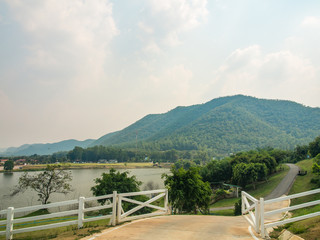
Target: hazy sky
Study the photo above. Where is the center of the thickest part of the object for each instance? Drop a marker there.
(78, 69)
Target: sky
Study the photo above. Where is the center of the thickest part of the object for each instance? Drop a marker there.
(79, 69)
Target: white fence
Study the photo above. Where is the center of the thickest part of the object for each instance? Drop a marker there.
(257, 219)
(250, 211)
(112, 201)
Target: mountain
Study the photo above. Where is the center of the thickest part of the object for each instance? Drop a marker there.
(45, 149)
(224, 125)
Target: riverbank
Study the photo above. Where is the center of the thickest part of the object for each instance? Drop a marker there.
(124, 165)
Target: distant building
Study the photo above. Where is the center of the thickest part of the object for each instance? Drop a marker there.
(3, 161)
(20, 161)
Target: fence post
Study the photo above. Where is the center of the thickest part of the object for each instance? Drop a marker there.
(166, 200)
(242, 202)
(114, 208)
(257, 216)
(262, 229)
(81, 212)
(9, 228)
(119, 209)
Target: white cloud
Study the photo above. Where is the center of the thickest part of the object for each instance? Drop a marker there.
(181, 15)
(281, 75)
(70, 37)
(170, 18)
(145, 27)
(311, 21)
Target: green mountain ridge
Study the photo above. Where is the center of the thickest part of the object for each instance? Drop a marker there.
(45, 148)
(224, 125)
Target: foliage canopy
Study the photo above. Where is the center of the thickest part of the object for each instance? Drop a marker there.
(187, 191)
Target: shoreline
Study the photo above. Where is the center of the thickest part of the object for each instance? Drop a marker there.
(71, 166)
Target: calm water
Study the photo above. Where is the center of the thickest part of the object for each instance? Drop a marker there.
(83, 180)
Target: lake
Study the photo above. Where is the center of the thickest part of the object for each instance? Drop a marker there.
(82, 181)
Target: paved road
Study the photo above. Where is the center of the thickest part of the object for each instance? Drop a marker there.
(282, 189)
(284, 186)
(179, 227)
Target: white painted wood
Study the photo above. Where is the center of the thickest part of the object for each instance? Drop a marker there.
(97, 218)
(256, 216)
(242, 203)
(144, 216)
(81, 212)
(308, 204)
(114, 208)
(293, 196)
(249, 197)
(141, 193)
(262, 227)
(9, 228)
(46, 216)
(50, 205)
(97, 208)
(99, 197)
(125, 215)
(292, 219)
(119, 209)
(262, 213)
(114, 217)
(142, 204)
(4, 211)
(249, 221)
(166, 201)
(43, 227)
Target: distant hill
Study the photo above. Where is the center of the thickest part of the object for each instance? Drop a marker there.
(45, 149)
(224, 125)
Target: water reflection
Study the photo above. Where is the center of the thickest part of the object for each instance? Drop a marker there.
(82, 181)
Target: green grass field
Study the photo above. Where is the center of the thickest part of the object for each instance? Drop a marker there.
(262, 189)
(308, 229)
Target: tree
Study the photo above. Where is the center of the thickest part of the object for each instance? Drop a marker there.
(8, 165)
(216, 171)
(115, 181)
(244, 174)
(52, 180)
(187, 191)
(122, 183)
(314, 147)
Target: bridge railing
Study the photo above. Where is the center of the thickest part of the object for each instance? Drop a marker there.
(78, 212)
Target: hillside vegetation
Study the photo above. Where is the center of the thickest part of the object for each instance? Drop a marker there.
(224, 125)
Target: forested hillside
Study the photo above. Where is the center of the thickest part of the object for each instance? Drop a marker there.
(224, 125)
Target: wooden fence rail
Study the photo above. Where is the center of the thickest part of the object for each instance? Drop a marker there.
(112, 202)
(255, 212)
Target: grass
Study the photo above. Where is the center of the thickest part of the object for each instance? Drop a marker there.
(124, 165)
(68, 232)
(309, 229)
(262, 189)
(226, 212)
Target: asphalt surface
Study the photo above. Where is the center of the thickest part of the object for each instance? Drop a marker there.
(284, 186)
(282, 189)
